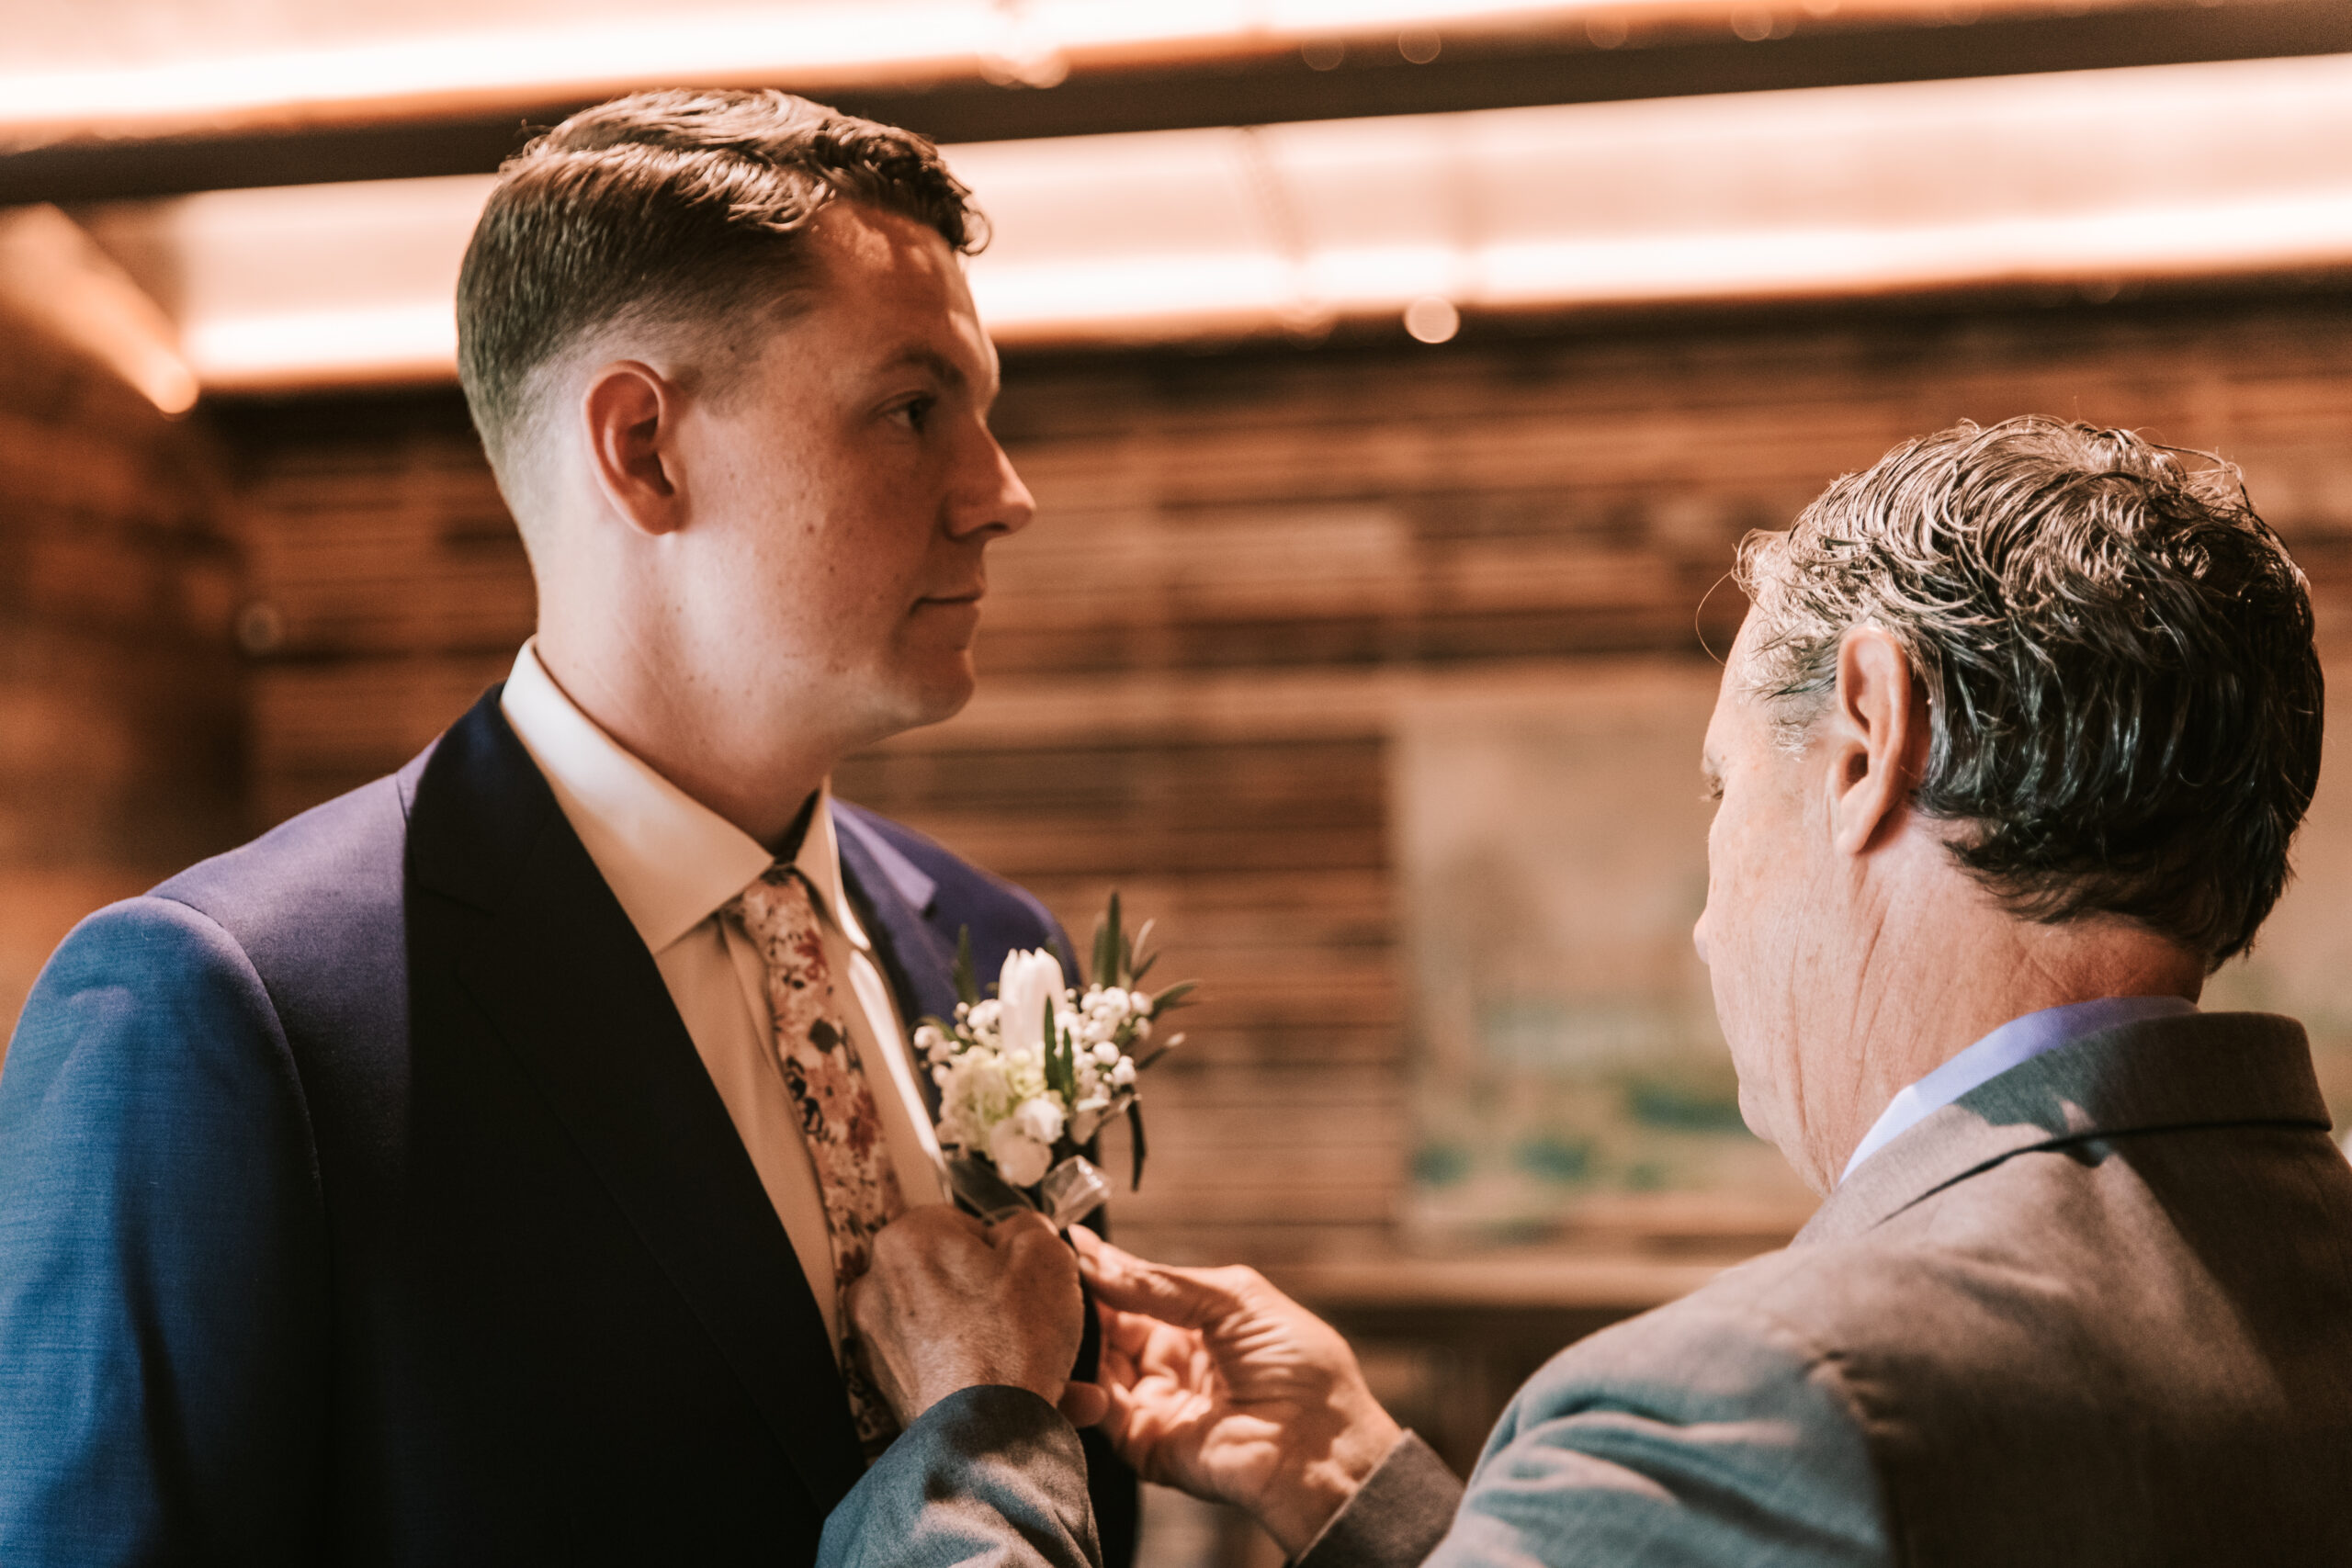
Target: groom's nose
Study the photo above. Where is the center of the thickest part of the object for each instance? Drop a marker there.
(989, 498)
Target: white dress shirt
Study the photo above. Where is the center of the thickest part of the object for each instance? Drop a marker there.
(673, 864)
(2018, 1041)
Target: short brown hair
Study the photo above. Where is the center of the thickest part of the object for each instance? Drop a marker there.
(683, 207)
(2125, 703)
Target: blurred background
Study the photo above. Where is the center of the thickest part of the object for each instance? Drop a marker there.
(1395, 378)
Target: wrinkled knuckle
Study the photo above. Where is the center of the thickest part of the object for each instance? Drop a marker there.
(1242, 1282)
(864, 1304)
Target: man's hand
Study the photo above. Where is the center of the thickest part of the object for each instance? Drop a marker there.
(1224, 1387)
(953, 1304)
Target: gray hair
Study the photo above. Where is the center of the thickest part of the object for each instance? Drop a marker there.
(2124, 700)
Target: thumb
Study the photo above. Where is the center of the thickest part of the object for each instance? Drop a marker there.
(1085, 1404)
(1189, 1298)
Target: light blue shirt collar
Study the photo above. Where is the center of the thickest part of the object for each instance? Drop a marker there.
(2019, 1039)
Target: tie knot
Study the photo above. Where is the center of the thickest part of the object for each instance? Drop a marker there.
(778, 901)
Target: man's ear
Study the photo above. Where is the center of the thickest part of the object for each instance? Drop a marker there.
(631, 413)
(1877, 739)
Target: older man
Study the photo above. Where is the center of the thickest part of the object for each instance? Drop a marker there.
(2009, 754)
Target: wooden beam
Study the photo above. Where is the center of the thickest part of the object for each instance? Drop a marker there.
(1473, 74)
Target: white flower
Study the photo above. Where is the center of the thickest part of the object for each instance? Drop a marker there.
(1020, 1158)
(1139, 1003)
(1041, 1118)
(1106, 1052)
(1029, 981)
(1123, 1075)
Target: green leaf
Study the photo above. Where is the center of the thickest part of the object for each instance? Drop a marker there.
(1061, 1070)
(1175, 996)
(967, 986)
(1135, 1125)
(1134, 961)
(1110, 962)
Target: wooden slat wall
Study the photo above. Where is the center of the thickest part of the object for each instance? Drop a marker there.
(1191, 658)
(120, 721)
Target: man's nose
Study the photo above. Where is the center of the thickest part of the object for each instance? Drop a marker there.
(993, 500)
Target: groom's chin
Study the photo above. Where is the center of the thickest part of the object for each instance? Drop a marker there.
(937, 689)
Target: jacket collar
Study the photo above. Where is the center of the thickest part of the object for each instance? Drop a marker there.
(553, 962)
(896, 901)
(2199, 1070)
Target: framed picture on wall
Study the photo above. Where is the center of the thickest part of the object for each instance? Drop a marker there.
(1568, 1074)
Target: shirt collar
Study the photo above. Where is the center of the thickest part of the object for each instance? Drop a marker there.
(671, 861)
(2018, 1041)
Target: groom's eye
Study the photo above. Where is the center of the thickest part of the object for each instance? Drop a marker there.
(915, 412)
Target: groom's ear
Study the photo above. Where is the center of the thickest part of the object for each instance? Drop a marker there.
(631, 413)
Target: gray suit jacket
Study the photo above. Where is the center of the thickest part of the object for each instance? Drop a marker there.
(2100, 1311)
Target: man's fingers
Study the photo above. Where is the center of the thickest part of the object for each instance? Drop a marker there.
(862, 1304)
(1126, 1332)
(1190, 1298)
(1085, 1404)
(924, 1231)
(1012, 1231)
(1031, 1248)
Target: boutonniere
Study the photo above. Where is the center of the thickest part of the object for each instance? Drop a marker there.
(1028, 1077)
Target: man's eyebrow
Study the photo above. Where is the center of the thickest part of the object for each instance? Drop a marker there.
(930, 359)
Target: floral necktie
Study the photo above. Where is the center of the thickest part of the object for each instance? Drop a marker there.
(854, 1176)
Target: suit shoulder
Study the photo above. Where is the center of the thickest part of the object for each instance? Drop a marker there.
(148, 990)
(1895, 1295)
(1706, 1424)
(1723, 1340)
(336, 863)
(152, 941)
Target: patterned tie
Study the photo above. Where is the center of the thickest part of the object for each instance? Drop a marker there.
(854, 1176)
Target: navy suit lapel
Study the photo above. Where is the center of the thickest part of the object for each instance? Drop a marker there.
(894, 901)
(572, 990)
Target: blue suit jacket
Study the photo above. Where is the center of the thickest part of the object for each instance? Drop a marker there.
(363, 1200)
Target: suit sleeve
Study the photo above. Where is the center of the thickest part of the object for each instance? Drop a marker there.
(1689, 1436)
(1692, 1436)
(162, 1259)
(987, 1478)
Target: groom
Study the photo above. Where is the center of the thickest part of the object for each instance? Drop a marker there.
(473, 1169)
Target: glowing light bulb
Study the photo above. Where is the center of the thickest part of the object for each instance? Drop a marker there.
(1432, 319)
